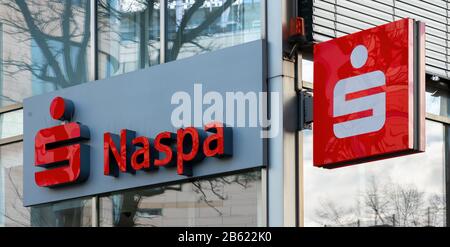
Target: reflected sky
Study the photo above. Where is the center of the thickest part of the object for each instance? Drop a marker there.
(308, 70)
(11, 124)
(346, 187)
(437, 101)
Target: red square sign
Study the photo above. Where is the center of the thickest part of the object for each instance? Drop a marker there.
(368, 95)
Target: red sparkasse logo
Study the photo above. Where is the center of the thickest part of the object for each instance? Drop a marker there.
(58, 149)
(61, 151)
(368, 92)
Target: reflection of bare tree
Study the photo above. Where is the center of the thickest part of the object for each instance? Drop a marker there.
(183, 34)
(21, 215)
(388, 204)
(186, 27)
(126, 205)
(331, 214)
(17, 215)
(59, 30)
(375, 201)
(115, 24)
(435, 210)
(407, 204)
(125, 209)
(215, 186)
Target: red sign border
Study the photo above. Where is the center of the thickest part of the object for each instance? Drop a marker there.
(416, 104)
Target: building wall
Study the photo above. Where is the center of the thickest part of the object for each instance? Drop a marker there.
(47, 58)
(215, 202)
(42, 53)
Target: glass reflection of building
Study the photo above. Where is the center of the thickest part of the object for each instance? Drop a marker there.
(56, 53)
(79, 41)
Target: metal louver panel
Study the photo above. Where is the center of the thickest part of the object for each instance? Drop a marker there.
(335, 18)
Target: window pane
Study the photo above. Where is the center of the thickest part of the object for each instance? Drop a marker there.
(72, 213)
(307, 70)
(44, 47)
(12, 213)
(11, 124)
(437, 100)
(200, 26)
(129, 35)
(225, 201)
(402, 191)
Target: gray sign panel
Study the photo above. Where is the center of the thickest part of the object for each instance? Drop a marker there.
(141, 101)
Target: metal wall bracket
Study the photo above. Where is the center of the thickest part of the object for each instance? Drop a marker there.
(305, 110)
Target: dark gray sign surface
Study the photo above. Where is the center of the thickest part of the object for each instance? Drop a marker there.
(141, 101)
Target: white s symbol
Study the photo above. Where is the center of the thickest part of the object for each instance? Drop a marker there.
(375, 102)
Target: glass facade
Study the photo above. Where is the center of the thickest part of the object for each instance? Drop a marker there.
(11, 166)
(44, 47)
(404, 191)
(13, 214)
(129, 36)
(224, 201)
(196, 27)
(48, 45)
